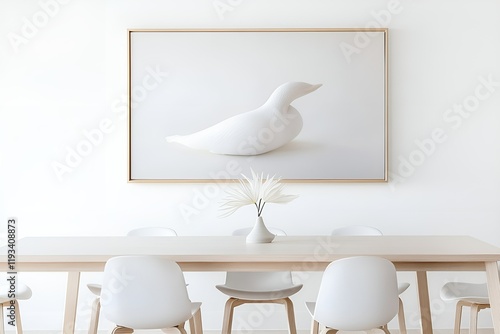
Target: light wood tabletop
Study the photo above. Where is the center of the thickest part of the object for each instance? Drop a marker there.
(297, 253)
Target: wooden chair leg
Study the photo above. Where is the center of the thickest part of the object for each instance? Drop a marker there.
(197, 324)
(290, 313)
(327, 330)
(19, 325)
(234, 302)
(94, 316)
(227, 322)
(384, 329)
(474, 311)
(2, 329)
(314, 327)
(181, 329)
(122, 330)
(458, 317)
(401, 318)
(192, 326)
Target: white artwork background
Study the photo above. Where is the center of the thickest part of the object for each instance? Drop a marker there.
(216, 75)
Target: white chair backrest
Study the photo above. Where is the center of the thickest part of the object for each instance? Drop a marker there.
(144, 292)
(462, 290)
(356, 230)
(22, 292)
(357, 293)
(247, 230)
(259, 280)
(152, 232)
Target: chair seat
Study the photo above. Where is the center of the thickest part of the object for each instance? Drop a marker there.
(23, 292)
(195, 306)
(259, 295)
(472, 295)
(311, 306)
(258, 287)
(470, 292)
(402, 287)
(482, 301)
(95, 288)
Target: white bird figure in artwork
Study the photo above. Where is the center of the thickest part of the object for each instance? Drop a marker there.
(264, 129)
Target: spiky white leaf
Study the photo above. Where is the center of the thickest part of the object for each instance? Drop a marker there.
(257, 191)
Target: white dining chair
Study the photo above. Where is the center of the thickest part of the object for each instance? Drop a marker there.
(22, 292)
(353, 230)
(147, 292)
(95, 288)
(152, 231)
(466, 294)
(258, 287)
(356, 294)
(356, 230)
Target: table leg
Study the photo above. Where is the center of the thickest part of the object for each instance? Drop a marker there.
(71, 302)
(493, 280)
(423, 298)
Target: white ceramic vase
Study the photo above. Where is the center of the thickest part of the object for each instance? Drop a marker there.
(259, 234)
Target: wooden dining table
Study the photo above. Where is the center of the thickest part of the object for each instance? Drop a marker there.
(419, 254)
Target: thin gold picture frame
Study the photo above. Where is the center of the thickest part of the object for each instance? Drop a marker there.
(360, 40)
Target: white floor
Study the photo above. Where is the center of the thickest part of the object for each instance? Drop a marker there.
(395, 331)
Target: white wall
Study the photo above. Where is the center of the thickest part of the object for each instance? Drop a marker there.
(66, 75)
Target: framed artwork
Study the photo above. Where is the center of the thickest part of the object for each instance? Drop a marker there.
(306, 105)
